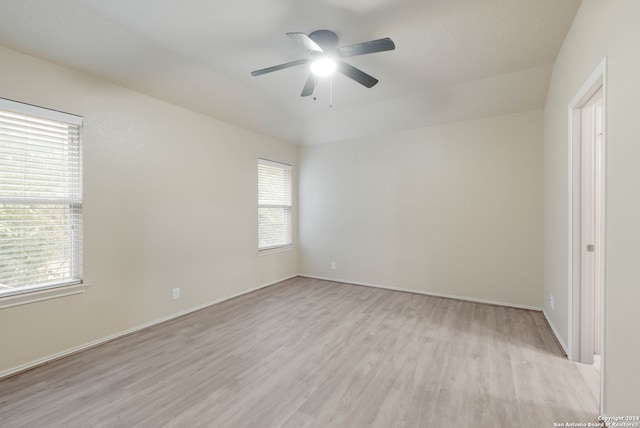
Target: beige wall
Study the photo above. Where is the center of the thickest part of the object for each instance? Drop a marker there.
(453, 209)
(170, 201)
(601, 29)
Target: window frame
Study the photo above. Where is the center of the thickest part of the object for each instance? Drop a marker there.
(288, 207)
(75, 283)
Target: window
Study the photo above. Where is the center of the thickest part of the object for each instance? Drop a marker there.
(40, 199)
(274, 206)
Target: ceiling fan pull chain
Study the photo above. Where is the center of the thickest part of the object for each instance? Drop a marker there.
(331, 92)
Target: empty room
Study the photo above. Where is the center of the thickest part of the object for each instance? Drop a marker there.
(294, 213)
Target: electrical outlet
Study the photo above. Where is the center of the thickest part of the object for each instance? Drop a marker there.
(333, 265)
(552, 302)
(176, 293)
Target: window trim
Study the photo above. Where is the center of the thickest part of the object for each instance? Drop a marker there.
(263, 251)
(42, 112)
(40, 294)
(274, 250)
(36, 293)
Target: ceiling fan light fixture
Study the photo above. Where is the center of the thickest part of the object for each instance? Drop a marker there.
(323, 67)
(326, 58)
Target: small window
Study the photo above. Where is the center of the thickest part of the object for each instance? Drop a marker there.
(274, 206)
(40, 199)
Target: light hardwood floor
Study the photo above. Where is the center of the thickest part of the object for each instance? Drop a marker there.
(310, 353)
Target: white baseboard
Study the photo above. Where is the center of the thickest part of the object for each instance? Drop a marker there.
(426, 293)
(76, 349)
(555, 332)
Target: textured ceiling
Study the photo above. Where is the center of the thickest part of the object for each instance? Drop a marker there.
(454, 59)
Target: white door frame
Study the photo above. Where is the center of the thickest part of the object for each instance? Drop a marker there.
(580, 326)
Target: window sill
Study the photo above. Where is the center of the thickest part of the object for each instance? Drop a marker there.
(38, 296)
(274, 250)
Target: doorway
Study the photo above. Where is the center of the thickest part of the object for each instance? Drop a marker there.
(591, 227)
(587, 120)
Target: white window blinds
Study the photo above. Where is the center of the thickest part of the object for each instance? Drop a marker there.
(274, 205)
(40, 198)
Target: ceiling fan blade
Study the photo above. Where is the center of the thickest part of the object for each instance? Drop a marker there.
(306, 41)
(309, 86)
(358, 75)
(279, 67)
(372, 46)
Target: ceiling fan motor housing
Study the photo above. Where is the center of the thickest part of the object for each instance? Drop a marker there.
(327, 40)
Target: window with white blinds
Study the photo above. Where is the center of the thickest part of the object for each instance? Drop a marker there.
(274, 205)
(40, 199)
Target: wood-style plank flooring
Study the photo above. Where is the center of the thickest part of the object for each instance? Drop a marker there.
(310, 353)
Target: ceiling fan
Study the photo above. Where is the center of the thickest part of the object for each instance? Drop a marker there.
(326, 58)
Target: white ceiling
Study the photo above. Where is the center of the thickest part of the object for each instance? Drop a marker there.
(454, 59)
